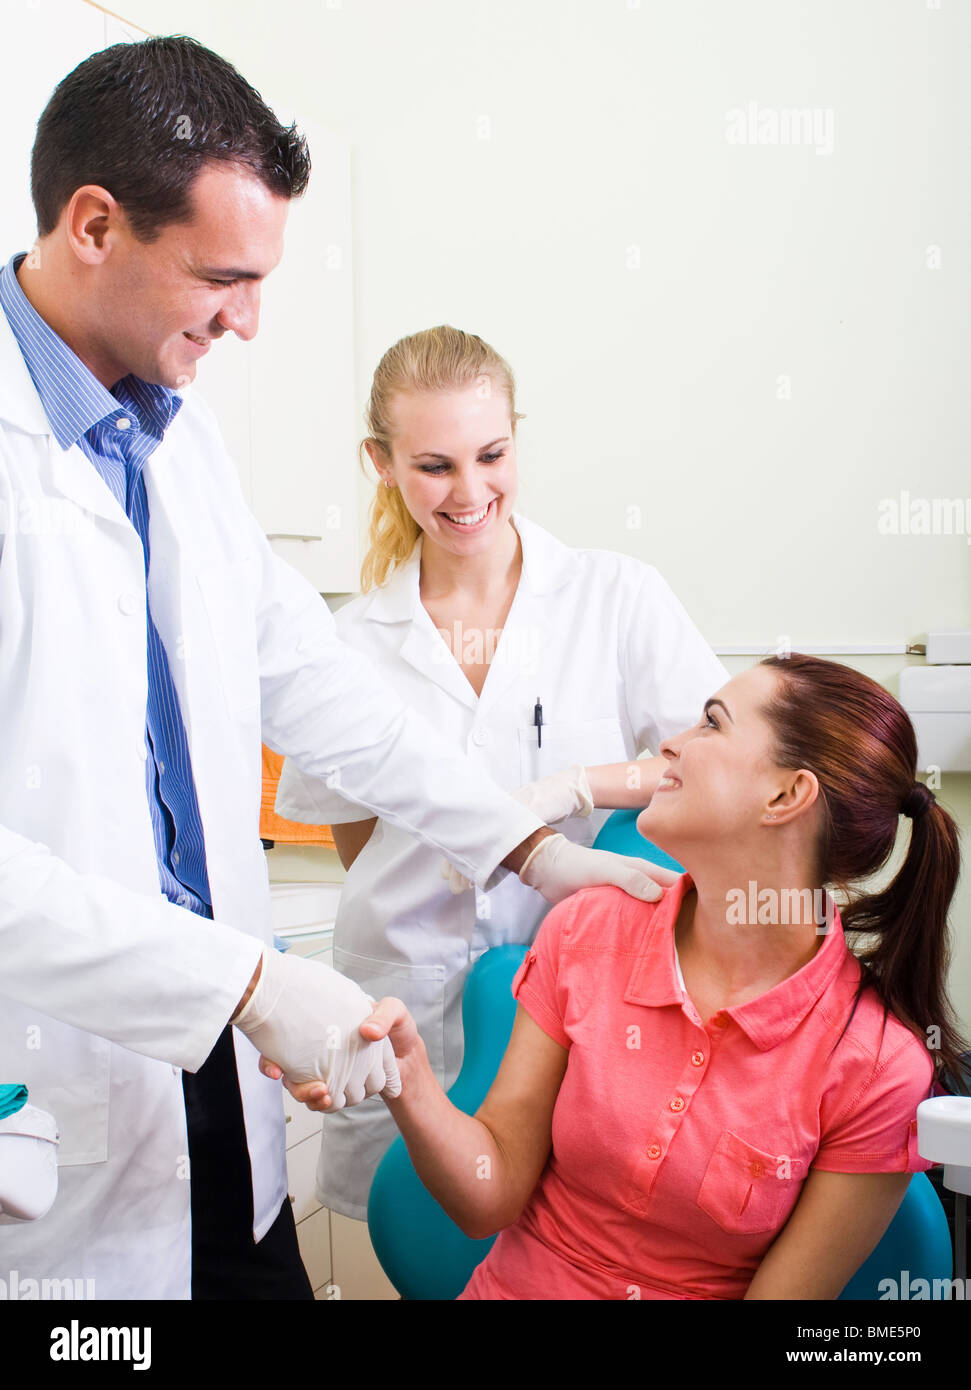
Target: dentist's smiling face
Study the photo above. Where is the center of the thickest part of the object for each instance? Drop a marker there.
(454, 459)
(161, 304)
(721, 782)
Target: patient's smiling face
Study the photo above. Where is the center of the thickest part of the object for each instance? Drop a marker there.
(454, 460)
(722, 784)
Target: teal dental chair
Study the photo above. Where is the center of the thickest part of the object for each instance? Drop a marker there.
(421, 1250)
(427, 1257)
(917, 1240)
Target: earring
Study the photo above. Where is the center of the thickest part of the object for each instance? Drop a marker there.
(388, 484)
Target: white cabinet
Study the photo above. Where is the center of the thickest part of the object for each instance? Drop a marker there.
(43, 40)
(285, 401)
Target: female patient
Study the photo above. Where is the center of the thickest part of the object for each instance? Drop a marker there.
(709, 1096)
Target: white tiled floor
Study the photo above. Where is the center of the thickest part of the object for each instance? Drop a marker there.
(357, 1273)
(336, 1251)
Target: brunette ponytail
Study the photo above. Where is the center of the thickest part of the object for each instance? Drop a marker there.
(861, 745)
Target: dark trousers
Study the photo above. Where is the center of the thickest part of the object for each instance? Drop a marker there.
(226, 1261)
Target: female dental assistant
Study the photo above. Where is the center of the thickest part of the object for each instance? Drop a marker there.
(488, 625)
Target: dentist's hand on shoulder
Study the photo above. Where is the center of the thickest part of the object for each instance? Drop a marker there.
(554, 798)
(557, 867)
(307, 1017)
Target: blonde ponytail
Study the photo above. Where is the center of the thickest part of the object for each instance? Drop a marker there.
(392, 533)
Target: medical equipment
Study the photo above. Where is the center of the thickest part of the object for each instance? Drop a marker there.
(937, 697)
(28, 1157)
(944, 1135)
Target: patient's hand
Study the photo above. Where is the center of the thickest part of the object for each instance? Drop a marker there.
(390, 1018)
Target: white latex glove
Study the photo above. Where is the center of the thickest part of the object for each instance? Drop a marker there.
(562, 794)
(552, 799)
(306, 1018)
(557, 867)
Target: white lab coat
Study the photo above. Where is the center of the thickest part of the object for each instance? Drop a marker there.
(618, 666)
(107, 988)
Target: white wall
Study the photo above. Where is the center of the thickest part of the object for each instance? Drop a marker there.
(729, 353)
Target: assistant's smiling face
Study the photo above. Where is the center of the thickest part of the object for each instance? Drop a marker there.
(454, 459)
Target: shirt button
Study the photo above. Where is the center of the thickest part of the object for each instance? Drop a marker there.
(677, 1103)
(161, 767)
(654, 1151)
(175, 856)
(128, 604)
(182, 900)
(697, 1059)
(123, 422)
(480, 737)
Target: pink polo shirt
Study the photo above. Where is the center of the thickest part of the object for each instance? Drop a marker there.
(680, 1146)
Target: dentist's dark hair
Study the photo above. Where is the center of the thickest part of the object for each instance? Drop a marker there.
(861, 745)
(141, 120)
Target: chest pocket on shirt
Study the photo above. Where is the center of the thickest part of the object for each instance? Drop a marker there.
(589, 743)
(227, 592)
(746, 1190)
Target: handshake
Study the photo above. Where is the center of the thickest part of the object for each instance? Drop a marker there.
(307, 1018)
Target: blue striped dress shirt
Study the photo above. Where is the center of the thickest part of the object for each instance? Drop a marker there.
(118, 430)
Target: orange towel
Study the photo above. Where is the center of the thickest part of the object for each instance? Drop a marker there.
(274, 827)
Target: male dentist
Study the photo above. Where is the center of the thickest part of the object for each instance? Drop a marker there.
(148, 640)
